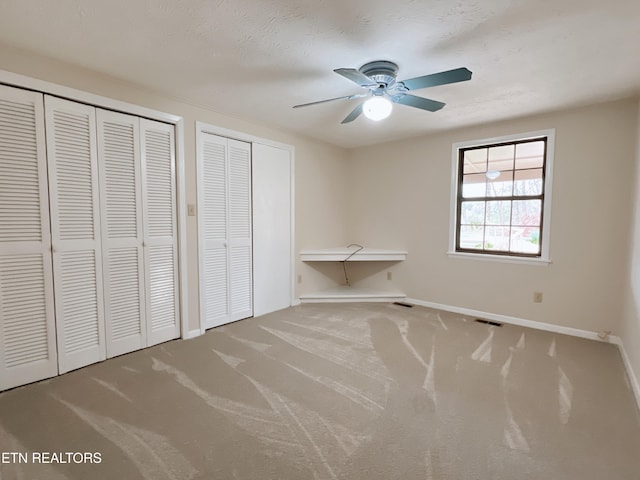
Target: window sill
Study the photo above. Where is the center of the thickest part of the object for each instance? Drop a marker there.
(501, 258)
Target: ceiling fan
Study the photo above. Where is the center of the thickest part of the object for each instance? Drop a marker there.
(379, 78)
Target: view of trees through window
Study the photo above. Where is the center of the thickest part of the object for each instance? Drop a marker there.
(500, 198)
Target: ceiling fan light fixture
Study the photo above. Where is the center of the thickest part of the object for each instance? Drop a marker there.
(377, 108)
(379, 78)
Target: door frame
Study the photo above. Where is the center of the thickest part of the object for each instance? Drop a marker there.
(24, 82)
(204, 128)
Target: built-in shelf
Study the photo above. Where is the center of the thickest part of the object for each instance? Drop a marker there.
(351, 293)
(341, 254)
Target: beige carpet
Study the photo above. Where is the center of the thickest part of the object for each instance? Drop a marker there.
(349, 391)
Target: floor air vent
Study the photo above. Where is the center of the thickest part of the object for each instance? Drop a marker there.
(402, 304)
(488, 322)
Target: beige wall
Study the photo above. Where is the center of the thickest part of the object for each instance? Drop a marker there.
(397, 195)
(400, 197)
(320, 187)
(630, 328)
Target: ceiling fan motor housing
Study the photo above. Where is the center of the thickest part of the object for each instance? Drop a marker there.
(381, 71)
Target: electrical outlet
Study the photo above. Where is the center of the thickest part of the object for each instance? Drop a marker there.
(299, 278)
(537, 297)
(389, 276)
(191, 209)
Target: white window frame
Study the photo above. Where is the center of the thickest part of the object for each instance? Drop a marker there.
(544, 258)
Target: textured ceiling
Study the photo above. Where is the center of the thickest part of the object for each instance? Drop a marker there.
(256, 59)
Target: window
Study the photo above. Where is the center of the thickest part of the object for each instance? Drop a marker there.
(502, 198)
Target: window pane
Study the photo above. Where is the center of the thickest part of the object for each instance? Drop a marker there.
(472, 213)
(526, 212)
(528, 182)
(501, 196)
(501, 158)
(525, 240)
(499, 213)
(501, 186)
(471, 236)
(474, 185)
(497, 238)
(475, 161)
(530, 155)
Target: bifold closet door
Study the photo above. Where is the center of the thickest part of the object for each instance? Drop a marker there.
(240, 231)
(160, 235)
(212, 225)
(75, 229)
(224, 222)
(27, 329)
(122, 249)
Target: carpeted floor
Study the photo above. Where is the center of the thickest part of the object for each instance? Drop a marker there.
(345, 391)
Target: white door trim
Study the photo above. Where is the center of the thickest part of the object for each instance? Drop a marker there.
(236, 135)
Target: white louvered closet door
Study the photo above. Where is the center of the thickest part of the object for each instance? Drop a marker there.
(121, 215)
(75, 228)
(27, 328)
(239, 238)
(224, 222)
(160, 236)
(212, 224)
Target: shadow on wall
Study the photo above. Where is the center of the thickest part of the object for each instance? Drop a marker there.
(355, 271)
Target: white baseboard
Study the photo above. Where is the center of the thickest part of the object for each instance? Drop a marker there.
(192, 334)
(549, 327)
(631, 375)
(576, 332)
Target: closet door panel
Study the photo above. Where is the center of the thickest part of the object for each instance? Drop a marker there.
(122, 239)
(212, 224)
(240, 279)
(75, 228)
(161, 241)
(272, 209)
(27, 325)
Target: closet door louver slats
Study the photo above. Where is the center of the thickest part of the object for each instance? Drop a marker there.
(24, 311)
(26, 341)
(20, 202)
(75, 228)
(212, 200)
(224, 196)
(161, 243)
(88, 235)
(240, 278)
(122, 239)
(27, 328)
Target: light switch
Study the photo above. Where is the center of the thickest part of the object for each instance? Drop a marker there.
(191, 209)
